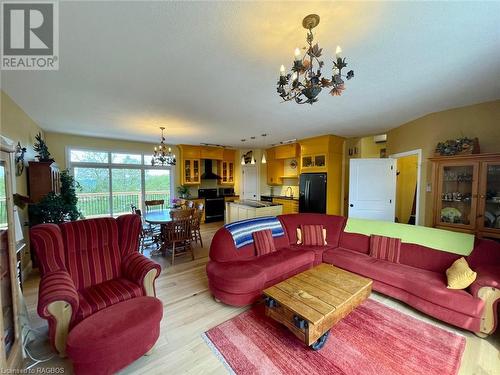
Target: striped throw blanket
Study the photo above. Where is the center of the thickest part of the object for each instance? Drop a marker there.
(242, 230)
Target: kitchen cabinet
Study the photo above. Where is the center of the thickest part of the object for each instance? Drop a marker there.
(275, 170)
(286, 151)
(190, 152)
(226, 172)
(467, 194)
(213, 153)
(313, 163)
(43, 178)
(191, 172)
(241, 210)
(290, 206)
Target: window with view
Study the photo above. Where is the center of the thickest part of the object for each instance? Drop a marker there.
(111, 182)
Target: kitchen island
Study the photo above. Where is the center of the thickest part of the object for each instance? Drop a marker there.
(248, 209)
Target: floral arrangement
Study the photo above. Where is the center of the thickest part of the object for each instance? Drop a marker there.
(178, 202)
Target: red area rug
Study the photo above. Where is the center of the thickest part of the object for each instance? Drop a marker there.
(373, 339)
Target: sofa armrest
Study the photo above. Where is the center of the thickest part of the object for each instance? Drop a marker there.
(142, 271)
(487, 276)
(58, 303)
(487, 287)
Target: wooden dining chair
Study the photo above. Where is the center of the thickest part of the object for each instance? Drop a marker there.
(178, 232)
(195, 227)
(155, 205)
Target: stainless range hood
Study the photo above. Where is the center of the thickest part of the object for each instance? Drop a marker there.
(209, 175)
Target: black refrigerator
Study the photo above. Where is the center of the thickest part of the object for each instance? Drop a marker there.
(312, 193)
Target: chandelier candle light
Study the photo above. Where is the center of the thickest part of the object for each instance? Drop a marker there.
(304, 82)
(163, 154)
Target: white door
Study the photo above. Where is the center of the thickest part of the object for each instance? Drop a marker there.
(250, 182)
(372, 189)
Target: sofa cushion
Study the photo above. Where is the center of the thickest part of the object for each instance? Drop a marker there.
(425, 284)
(236, 277)
(385, 248)
(100, 296)
(283, 261)
(312, 235)
(263, 242)
(299, 236)
(355, 241)
(317, 250)
(459, 275)
(332, 223)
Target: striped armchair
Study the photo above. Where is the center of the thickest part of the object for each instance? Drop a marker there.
(86, 266)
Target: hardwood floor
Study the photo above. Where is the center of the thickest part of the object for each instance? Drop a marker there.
(190, 310)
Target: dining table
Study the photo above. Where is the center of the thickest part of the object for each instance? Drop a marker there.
(162, 218)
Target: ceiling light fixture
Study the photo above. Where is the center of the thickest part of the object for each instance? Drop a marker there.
(305, 79)
(243, 156)
(163, 154)
(263, 160)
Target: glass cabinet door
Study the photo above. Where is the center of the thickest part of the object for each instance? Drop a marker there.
(196, 171)
(187, 171)
(489, 197)
(457, 195)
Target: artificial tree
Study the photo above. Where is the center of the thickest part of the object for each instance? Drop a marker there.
(41, 147)
(57, 208)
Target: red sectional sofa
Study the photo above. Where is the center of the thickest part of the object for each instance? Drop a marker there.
(237, 276)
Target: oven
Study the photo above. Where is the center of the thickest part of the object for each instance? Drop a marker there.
(214, 205)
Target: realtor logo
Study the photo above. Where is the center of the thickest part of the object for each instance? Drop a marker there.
(30, 35)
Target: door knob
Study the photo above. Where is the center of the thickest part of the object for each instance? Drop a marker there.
(351, 205)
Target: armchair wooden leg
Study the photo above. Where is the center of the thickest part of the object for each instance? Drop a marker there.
(489, 295)
(61, 311)
(199, 236)
(148, 283)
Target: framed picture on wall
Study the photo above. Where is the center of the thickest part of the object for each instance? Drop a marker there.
(383, 153)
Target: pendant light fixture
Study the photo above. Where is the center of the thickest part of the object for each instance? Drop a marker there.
(263, 160)
(243, 156)
(163, 155)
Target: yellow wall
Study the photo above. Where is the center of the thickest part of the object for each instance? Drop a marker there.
(19, 127)
(405, 186)
(479, 120)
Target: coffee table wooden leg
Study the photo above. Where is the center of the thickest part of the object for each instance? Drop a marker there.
(321, 341)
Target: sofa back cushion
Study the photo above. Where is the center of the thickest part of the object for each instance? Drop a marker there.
(332, 223)
(385, 248)
(355, 241)
(223, 248)
(92, 251)
(426, 258)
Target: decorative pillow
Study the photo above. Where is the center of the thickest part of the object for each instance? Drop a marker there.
(385, 248)
(459, 275)
(263, 241)
(312, 235)
(299, 236)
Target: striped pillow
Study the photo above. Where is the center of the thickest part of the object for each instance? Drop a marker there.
(263, 242)
(312, 235)
(385, 248)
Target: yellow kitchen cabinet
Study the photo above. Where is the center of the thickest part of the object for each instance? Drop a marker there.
(191, 172)
(275, 171)
(190, 152)
(214, 153)
(290, 206)
(286, 151)
(226, 172)
(314, 163)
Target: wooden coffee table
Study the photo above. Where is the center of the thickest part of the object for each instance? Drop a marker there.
(312, 302)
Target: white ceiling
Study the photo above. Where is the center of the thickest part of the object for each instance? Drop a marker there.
(208, 71)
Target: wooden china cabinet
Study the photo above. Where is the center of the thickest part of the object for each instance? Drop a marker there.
(467, 193)
(10, 346)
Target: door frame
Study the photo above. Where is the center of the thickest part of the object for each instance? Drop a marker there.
(417, 152)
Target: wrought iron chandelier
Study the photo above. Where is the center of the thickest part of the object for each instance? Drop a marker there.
(163, 154)
(304, 82)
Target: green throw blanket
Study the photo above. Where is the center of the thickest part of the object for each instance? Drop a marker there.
(444, 240)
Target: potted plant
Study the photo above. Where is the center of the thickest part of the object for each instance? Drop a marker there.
(57, 208)
(183, 191)
(43, 151)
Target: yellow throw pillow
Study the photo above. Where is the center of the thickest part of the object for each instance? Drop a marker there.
(299, 236)
(459, 275)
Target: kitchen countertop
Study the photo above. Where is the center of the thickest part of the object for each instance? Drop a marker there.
(281, 197)
(255, 204)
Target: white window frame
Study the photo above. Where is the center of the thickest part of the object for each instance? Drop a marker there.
(110, 166)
